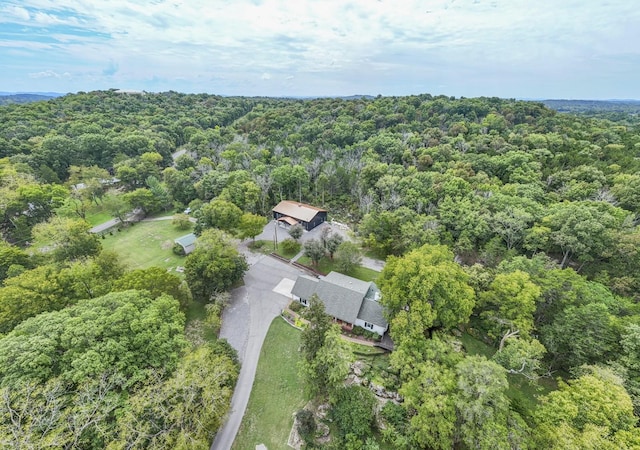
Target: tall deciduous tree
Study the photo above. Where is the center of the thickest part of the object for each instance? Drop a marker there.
(332, 244)
(314, 250)
(67, 239)
(423, 291)
(10, 255)
(220, 214)
(348, 257)
(352, 410)
(126, 332)
(329, 367)
(313, 336)
(580, 335)
(183, 411)
(142, 198)
(251, 225)
(582, 230)
(325, 361)
(430, 397)
(483, 407)
(509, 304)
(156, 281)
(117, 206)
(214, 266)
(595, 402)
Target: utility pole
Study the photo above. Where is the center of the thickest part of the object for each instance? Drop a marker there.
(275, 235)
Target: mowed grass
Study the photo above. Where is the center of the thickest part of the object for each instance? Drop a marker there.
(97, 217)
(267, 247)
(277, 391)
(97, 213)
(146, 244)
(326, 265)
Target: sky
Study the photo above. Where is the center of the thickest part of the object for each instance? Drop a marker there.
(531, 49)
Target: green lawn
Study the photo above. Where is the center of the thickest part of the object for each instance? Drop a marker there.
(266, 247)
(277, 391)
(97, 217)
(146, 244)
(326, 265)
(97, 214)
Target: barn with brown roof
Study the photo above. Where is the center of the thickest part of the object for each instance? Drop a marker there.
(289, 213)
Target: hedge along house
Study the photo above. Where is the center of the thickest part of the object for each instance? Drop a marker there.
(351, 302)
(289, 213)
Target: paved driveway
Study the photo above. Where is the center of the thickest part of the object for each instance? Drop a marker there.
(245, 323)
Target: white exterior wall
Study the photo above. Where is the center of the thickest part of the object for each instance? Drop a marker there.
(376, 328)
(296, 298)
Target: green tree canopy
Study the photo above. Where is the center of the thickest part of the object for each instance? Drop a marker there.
(67, 239)
(183, 411)
(423, 291)
(251, 225)
(596, 399)
(509, 304)
(214, 266)
(128, 332)
(220, 214)
(156, 281)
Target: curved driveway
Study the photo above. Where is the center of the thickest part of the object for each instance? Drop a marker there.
(245, 323)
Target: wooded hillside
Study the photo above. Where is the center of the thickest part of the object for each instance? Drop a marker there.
(502, 219)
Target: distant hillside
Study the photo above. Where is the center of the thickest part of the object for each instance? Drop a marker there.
(594, 106)
(24, 98)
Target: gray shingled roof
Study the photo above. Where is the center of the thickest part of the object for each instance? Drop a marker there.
(340, 302)
(299, 211)
(305, 286)
(343, 297)
(347, 282)
(372, 312)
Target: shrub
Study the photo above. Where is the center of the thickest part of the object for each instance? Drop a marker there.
(178, 250)
(181, 222)
(290, 246)
(306, 426)
(352, 411)
(370, 335)
(295, 306)
(395, 416)
(296, 231)
(256, 245)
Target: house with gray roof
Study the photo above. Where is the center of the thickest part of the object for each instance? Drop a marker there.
(288, 213)
(350, 301)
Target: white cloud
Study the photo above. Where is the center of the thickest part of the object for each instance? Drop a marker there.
(49, 74)
(266, 76)
(15, 12)
(382, 40)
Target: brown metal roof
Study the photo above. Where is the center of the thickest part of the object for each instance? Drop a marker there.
(289, 220)
(300, 211)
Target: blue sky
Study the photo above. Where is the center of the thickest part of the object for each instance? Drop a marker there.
(505, 48)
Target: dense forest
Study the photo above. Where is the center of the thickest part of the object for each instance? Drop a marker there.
(502, 219)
